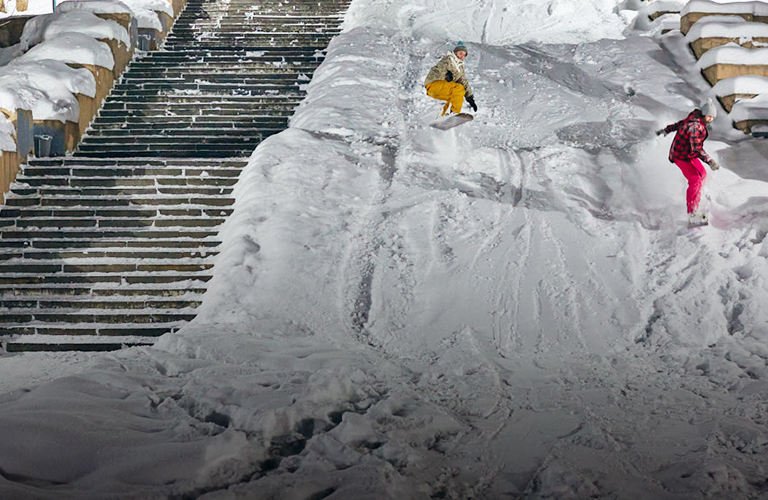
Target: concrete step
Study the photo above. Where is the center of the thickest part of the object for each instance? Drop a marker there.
(228, 57)
(181, 153)
(115, 279)
(62, 223)
(43, 341)
(258, 108)
(265, 33)
(274, 72)
(197, 81)
(151, 120)
(112, 200)
(222, 148)
(294, 91)
(248, 40)
(12, 254)
(203, 131)
(118, 191)
(53, 319)
(264, 101)
(65, 304)
(128, 181)
(140, 244)
(96, 290)
(109, 172)
(196, 164)
(141, 142)
(225, 88)
(265, 9)
(124, 266)
(109, 233)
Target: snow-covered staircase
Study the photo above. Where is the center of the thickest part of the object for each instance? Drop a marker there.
(113, 245)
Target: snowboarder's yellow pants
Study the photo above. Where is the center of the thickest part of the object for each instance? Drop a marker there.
(451, 92)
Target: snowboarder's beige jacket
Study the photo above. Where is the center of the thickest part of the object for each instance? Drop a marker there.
(453, 64)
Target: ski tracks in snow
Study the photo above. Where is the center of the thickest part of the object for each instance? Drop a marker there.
(498, 277)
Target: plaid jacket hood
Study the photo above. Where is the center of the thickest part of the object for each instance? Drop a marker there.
(689, 139)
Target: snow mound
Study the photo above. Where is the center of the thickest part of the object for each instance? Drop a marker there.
(46, 87)
(733, 54)
(76, 48)
(745, 84)
(756, 8)
(49, 26)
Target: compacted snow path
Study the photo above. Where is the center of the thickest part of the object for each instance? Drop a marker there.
(514, 308)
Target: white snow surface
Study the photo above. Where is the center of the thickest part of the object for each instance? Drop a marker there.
(758, 8)
(744, 84)
(46, 87)
(49, 26)
(95, 6)
(151, 5)
(665, 6)
(740, 30)
(146, 12)
(514, 308)
(732, 53)
(77, 48)
(750, 109)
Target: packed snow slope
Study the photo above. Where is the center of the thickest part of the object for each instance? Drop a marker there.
(514, 308)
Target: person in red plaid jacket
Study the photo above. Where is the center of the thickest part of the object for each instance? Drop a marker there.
(687, 152)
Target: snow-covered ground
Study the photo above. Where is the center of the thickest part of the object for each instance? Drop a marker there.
(511, 309)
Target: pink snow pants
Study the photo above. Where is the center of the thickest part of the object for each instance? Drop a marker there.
(695, 173)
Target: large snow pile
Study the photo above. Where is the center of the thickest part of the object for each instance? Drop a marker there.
(46, 27)
(511, 309)
(46, 87)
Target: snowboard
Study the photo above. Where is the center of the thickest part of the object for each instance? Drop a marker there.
(706, 203)
(446, 122)
(698, 224)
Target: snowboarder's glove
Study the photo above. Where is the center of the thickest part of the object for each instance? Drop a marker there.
(661, 131)
(713, 164)
(471, 101)
(448, 76)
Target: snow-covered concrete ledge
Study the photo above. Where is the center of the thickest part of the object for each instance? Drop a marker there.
(696, 9)
(109, 31)
(64, 119)
(729, 90)
(662, 7)
(716, 31)
(732, 60)
(149, 18)
(749, 113)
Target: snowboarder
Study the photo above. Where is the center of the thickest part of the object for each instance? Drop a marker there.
(446, 81)
(687, 152)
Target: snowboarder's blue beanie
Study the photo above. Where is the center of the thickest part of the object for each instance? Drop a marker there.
(460, 47)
